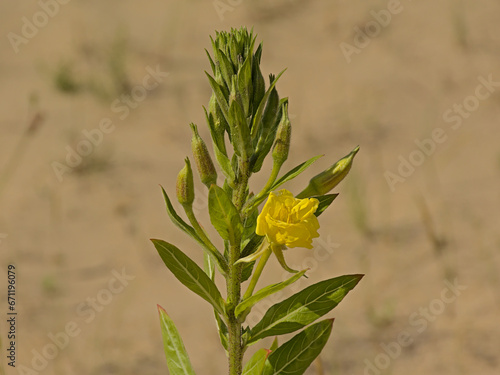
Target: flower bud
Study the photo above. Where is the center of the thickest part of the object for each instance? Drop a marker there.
(282, 142)
(185, 185)
(206, 168)
(327, 180)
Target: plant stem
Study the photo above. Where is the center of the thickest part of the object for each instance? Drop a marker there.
(235, 347)
(258, 271)
(234, 326)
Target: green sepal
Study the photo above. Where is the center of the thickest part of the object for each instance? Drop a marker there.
(178, 362)
(278, 252)
(190, 274)
(246, 305)
(255, 364)
(224, 216)
(296, 355)
(303, 307)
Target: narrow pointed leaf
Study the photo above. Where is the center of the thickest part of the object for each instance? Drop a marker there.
(264, 292)
(177, 358)
(240, 133)
(286, 177)
(324, 202)
(225, 66)
(219, 95)
(255, 364)
(212, 65)
(219, 150)
(209, 265)
(294, 172)
(177, 220)
(189, 274)
(252, 245)
(222, 328)
(223, 215)
(275, 344)
(296, 355)
(260, 110)
(303, 307)
(245, 83)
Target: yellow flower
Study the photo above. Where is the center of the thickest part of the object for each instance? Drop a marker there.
(286, 220)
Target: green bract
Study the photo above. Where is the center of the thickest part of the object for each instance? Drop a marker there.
(247, 121)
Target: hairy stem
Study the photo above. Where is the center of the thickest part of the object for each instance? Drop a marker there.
(235, 345)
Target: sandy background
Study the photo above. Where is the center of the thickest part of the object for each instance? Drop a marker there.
(439, 226)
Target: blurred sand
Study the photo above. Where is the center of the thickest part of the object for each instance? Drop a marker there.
(440, 224)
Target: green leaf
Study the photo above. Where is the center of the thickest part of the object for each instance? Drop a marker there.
(219, 95)
(258, 83)
(225, 66)
(209, 265)
(223, 215)
(219, 149)
(222, 328)
(297, 354)
(324, 202)
(245, 83)
(303, 307)
(212, 65)
(249, 225)
(177, 220)
(252, 245)
(189, 274)
(246, 271)
(240, 133)
(275, 344)
(267, 134)
(258, 115)
(177, 359)
(255, 364)
(294, 172)
(248, 303)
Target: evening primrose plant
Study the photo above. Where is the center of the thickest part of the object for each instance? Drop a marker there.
(247, 122)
